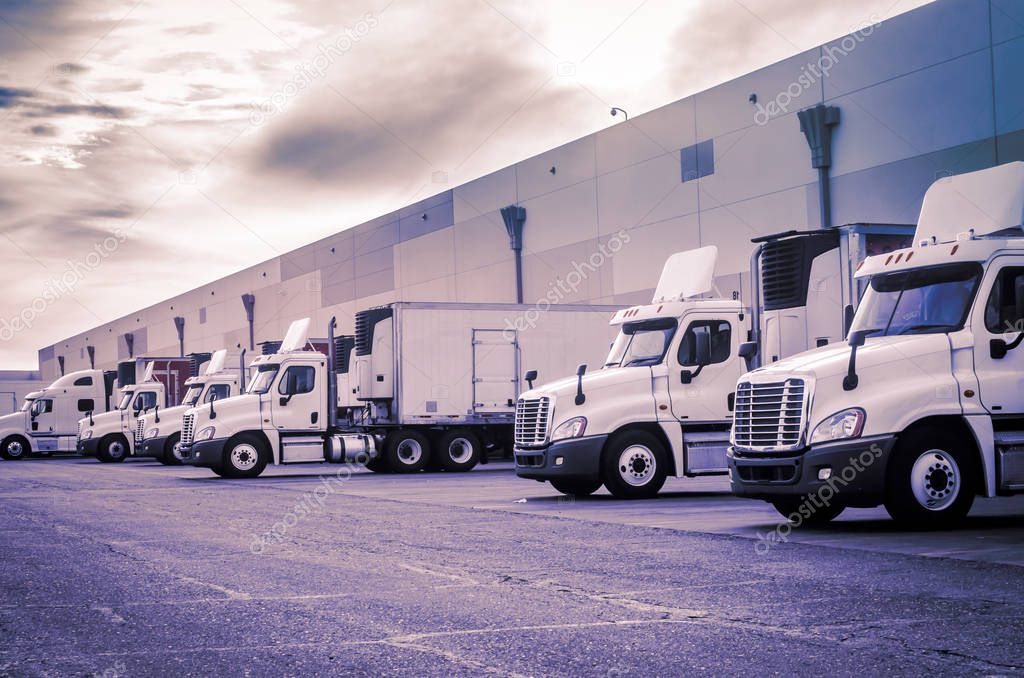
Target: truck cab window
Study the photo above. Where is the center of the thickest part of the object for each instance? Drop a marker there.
(146, 400)
(262, 378)
(297, 379)
(220, 391)
(83, 381)
(86, 405)
(720, 338)
(1004, 311)
(42, 407)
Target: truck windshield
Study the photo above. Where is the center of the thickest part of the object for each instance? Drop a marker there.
(125, 399)
(641, 343)
(262, 379)
(27, 405)
(192, 395)
(918, 301)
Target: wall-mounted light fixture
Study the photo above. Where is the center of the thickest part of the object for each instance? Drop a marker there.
(616, 110)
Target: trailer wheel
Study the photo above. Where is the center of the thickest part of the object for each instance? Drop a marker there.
(113, 449)
(14, 448)
(576, 488)
(407, 451)
(812, 515)
(244, 457)
(172, 451)
(458, 450)
(930, 480)
(633, 465)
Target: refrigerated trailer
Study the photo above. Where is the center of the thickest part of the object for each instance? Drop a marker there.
(110, 436)
(662, 404)
(421, 384)
(921, 409)
(48, 419)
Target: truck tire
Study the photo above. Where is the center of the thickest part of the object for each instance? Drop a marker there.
(633, 465)
(811, 515)
(407, 451)
(378, 465)
(931, 480)
(576, 488)
(113, 449)
(244, 457)
(172, 455)
(458, 450)
(14, 448)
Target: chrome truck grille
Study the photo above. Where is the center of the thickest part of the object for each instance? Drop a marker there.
(188, 425)
(140, 432)
(769, 417)
(531, 424)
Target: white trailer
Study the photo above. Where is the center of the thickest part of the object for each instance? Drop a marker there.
(922, 409)
(420, 384)
(48, 419)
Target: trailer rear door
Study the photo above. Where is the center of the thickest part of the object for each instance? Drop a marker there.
(495, 370)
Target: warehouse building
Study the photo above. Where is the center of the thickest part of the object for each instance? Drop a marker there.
(891, 107)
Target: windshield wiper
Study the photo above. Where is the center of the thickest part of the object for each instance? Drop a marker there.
(925, 326)
(648, 360)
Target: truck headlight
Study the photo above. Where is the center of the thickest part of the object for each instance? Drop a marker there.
(152, 433)
(86, 434)
(206, 433)
(841, 425)
(570, 428)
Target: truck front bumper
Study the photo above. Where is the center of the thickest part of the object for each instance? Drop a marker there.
(208, 453)
(572, 459)
(152, 447)
(88, 447)
(857, 474)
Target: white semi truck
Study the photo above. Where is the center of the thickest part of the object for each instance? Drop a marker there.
(48, 419)
(662, 403)
(420, 384)
(110, 436)
(922, 408)
(158, 432)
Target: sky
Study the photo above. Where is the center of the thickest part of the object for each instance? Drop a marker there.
(148, 147)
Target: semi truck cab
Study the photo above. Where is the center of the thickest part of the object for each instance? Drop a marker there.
(110, 436)
(922, 408)
(158, 432)
(660, 405)
(47, 421)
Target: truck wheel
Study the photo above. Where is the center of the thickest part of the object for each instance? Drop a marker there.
(378, 465)
(14, 448)
(633, 465)
(407, 451)
(244, 457)
(458, 450)
(930, 481)
(113, 449)
(812, 515)
(172, 451)
(576, 488)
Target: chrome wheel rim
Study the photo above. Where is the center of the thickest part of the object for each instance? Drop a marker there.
(637, 465)
(116, 449)
(935, 480)
(409, 451)
(15, 449)
(244, 456)
(460, 450)
(176, 452)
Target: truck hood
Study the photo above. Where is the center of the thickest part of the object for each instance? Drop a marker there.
(834, 359)
(593, 382)
(103, 422)
(240, 412)
(14, 421)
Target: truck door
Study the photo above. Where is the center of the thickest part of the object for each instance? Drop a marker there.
(43, 417)
(494, 370)
(298, 399)
(1000, 316)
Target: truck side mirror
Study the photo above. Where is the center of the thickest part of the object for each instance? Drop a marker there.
(531, 376)
(997, 349)
(747, 351)
(848, 313)
(702, 348)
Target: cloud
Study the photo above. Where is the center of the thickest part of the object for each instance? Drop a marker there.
(43, 130)
(70, 68)
(12, 96)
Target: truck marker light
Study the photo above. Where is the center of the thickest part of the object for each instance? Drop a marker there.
(898, 258)
(968, 393)
(953, 251)
(909, 254)
(888, 260)
(825, 473)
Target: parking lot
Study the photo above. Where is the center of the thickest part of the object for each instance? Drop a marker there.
(137, 568)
